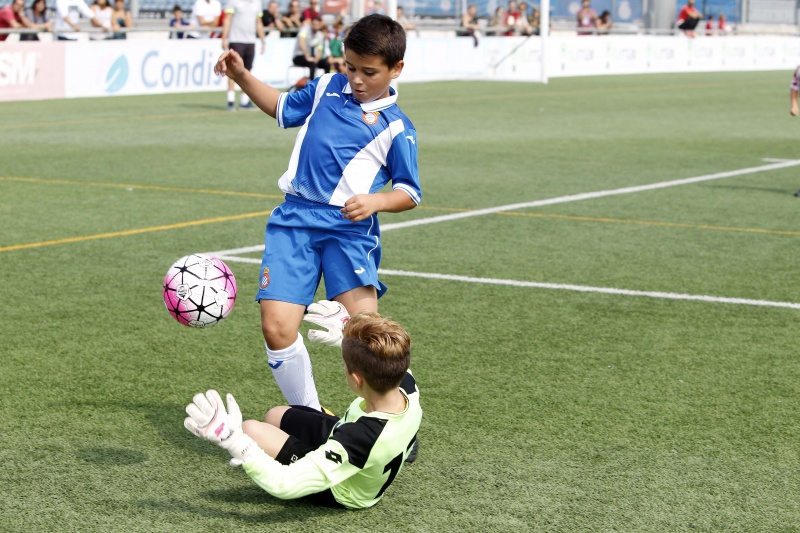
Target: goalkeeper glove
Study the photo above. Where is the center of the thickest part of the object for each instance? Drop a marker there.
(209, 420)
(330, 315)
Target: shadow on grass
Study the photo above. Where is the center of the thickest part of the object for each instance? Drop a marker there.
(289, 511)
(111, 456)
(751, 188)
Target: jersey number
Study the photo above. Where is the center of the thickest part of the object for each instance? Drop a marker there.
(394, 468)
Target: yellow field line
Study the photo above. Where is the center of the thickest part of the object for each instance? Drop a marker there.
(145, 187)
(133, 231)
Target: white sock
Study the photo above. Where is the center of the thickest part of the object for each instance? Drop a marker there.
(231, 96)
(244, 99)
(291, 368)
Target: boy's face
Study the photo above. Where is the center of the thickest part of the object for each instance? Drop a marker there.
(369, 76)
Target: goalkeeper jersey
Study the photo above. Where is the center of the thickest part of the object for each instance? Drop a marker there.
(361, 458)
(345, 147)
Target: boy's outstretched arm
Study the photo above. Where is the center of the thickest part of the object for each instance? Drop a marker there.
(362, 206)
(265, 97)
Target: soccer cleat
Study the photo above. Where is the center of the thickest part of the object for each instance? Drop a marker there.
(248, 105)
(231, 106)
(413, 455)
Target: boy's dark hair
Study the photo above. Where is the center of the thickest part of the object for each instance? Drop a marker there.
(377, 348)
(177, 7)
(377, 35)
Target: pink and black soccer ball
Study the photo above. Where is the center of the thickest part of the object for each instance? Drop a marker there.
(199, 290)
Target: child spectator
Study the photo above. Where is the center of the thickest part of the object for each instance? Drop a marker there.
(354, 140)
(177, 22)
(298, 452)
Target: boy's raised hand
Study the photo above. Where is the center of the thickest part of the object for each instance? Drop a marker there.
(229, 64)
(330, 315)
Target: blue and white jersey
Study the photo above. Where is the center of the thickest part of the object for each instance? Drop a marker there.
(344, 147)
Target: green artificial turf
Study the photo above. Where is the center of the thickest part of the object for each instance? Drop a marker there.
(546, 409)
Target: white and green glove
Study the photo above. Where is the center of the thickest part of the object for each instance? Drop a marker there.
(209, 420)
(330, 315)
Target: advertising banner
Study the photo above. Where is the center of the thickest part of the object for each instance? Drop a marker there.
(31, 71)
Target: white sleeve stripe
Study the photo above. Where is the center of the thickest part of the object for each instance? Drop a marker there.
(408, 190)
(279, 113)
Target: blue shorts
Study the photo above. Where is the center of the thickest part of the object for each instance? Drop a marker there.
(306, 241)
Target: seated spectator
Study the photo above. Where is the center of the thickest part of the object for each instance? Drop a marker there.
(271, 18)
(523, 26)
(311, 11)
(604, 23)
(13, 16)
(68, 14)
(310, 46)
(335, 47)
(37, 15)
(512, 14)
(104, 13)
(710, 25)
(498, 21)
(469, 23)
(402, 19)
(292, 19)
(535, 21)
(123, 18)
(587, 18)
(721, 24)
(177, 22)
(205, 14)
(688, 18)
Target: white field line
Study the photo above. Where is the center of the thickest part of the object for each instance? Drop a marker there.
(582, 288)
(233, 254)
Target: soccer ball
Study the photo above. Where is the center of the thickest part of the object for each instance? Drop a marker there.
(199, 290)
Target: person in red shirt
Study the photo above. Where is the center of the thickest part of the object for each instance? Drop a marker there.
(12, 16)
(688, 18)
(587, 18)
(721, 23)
(311, 11)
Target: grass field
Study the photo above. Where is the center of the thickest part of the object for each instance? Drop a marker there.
(571, 378)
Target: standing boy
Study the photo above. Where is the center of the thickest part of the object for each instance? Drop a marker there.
(297, 451)
(240, 29)
(353, 141)
(794, 89)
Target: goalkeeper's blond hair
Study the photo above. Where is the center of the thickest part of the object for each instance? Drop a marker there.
(378, 348)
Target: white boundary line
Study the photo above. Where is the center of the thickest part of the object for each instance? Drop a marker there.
(233, 254)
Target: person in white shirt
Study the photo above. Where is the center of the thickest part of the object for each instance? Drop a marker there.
(241, 28)
(104, 14)
(68, 14)
(205, 13)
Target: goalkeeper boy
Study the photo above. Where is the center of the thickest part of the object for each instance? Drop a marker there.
(299, 451)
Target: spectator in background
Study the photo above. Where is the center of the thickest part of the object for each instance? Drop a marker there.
(123, 18)
(68, 15)
(293, 20)
(309, 47)
(402, 19)
(688, 18)
(512, 14)
(335, 47)
(377, 7)
(205, 14)
(240, 30)
(604, 23)
(535, 21)
(498, 20)
(104, 14)
(469, 23)
(587, 18)
(721, 24)
(523, 26)
(311, 11)
(271, 19)
(177, 22)
(13, 16)
(37, 15)
(710, 25)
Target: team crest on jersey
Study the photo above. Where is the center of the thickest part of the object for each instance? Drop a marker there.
(265, 279)
(370, 117)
